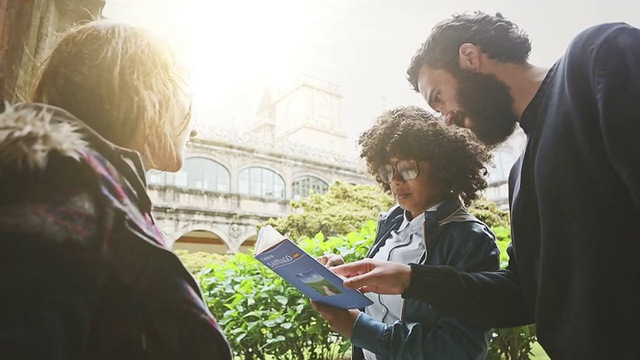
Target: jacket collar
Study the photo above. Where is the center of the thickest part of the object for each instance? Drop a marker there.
(30, 132)
(451, 210)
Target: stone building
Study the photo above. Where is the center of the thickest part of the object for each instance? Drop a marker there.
(504, 157)
(231, 181)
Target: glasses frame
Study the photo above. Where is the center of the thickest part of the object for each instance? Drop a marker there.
(404, 167)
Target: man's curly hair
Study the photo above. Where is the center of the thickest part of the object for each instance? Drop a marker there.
(496, 36)
(458, 162)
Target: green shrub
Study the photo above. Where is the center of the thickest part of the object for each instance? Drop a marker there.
(196, 261)
(263, 315)
(343, 209)
(489, 213)
(510, 343)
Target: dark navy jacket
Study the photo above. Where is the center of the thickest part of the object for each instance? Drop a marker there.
(454, 238)
(575, 211)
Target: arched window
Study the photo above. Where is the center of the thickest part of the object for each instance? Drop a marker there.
(304, 184)
(260, 182)
(203, 174)
(156, 177)
(196, 173)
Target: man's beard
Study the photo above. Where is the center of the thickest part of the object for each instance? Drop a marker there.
(487, 102)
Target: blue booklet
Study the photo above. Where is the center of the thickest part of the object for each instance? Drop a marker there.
(304, 272)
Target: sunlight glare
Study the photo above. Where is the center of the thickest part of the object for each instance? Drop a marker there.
(238, 41)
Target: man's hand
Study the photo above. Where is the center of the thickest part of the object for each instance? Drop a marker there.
(340, 321)
(330, 260)
(382, 277)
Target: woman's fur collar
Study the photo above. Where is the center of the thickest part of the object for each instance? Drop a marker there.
(30, 132)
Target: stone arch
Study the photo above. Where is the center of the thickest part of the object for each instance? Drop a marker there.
(263, 166)
(243, 169)
(202, 237)
(180, 178)
(200, 171)
(208, 156)
(246, 241)
(315, 174)
(304, 182)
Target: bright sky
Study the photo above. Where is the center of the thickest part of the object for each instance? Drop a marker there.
(235, 48)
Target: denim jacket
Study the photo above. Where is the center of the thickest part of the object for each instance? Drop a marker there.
(455, 238)
(84, 271)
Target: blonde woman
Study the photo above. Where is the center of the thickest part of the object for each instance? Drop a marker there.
(84, 271)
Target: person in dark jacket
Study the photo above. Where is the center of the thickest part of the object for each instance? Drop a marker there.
(84, 271)
(433, 172)
(574, 192)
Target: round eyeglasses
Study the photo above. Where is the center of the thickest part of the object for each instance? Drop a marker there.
(408, 170)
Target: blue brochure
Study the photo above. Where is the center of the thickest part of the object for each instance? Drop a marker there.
(304, 272)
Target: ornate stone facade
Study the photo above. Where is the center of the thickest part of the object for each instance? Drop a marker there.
(255, 175)
(225, 221)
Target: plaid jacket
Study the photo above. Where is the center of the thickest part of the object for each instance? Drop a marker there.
(84, 272)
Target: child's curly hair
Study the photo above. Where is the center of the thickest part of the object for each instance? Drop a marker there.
(458, 162)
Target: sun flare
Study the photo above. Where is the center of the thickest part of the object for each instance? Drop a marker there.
(229, 42)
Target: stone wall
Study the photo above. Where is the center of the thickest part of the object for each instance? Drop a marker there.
(227, 221)
(28, 30)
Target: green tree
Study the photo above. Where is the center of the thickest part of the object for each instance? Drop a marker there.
(264, 317)
(196, 261)
(489, 213)
(343, 209)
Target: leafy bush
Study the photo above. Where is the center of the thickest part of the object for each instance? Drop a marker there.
(196, 261)
(343, 209)
(263, 315)
(510, 343)
(489, 213)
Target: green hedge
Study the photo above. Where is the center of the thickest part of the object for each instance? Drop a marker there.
(265, 318)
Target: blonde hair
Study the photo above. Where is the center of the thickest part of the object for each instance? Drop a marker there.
(123, 82)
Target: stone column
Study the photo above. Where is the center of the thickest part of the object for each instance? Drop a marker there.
(27, 30)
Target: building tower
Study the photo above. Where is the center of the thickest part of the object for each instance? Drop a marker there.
(308, 112)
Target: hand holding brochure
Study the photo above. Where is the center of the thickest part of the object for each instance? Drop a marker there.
(304, 272)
